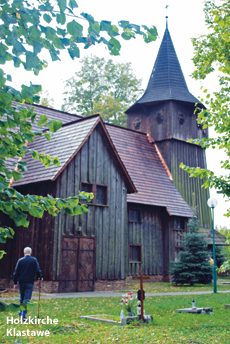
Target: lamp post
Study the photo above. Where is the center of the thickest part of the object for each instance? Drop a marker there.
(212, 203)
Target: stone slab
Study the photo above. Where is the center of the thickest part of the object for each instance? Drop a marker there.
(124, 321)
(195, 310)
(129, 320)
(97, 318)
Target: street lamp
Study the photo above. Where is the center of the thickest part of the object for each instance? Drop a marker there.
(212, 203)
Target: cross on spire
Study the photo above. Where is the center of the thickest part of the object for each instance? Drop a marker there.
(166, 8)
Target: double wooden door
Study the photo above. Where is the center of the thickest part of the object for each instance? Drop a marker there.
(77, 264)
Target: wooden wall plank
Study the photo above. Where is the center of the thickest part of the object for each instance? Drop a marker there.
(70, 192)
(118, 228)
(77, 178)
(112, 216)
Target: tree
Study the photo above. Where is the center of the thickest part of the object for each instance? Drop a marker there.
(193, 265)
(102, 87)
(25, 31)
(226, 250)
(212, 54)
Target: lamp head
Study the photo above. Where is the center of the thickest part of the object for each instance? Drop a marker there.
(212, 202)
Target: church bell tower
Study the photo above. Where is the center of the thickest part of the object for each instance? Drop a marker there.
(166, 113)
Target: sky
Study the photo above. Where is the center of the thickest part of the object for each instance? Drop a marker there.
(185, 20)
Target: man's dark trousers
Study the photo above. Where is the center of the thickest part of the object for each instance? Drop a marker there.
(25, 290)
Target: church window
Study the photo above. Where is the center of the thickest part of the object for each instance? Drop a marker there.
(179, 223)
(137, 124)
(178, 233)
(181, 118)
(99, 192)
(87, 188)
(159, 118)
(134, 215)
(135, 253)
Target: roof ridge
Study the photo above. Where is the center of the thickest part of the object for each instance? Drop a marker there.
(80, 120)
(167, 56)
(50, 108)
(125, 128)
(151, 140)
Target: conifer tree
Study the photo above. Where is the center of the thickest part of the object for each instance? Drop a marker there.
(193, 265)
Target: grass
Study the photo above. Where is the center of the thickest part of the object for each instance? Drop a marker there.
(167, 327)
(14, 294)
(168, 287)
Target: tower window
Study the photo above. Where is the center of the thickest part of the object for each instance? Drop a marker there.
(159, 118)
(181, 118)
(137, 124)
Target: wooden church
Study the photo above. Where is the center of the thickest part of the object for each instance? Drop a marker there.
(142, 199)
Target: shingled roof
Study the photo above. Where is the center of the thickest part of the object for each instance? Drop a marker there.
(138, 158)
(65, 144)
(220, 240)
(167, 81)
(150, 176)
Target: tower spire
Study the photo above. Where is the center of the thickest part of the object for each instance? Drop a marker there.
(166, 81)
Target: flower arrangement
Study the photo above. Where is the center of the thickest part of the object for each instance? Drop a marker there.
(129, 302)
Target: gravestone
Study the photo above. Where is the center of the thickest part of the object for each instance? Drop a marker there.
(194, 309)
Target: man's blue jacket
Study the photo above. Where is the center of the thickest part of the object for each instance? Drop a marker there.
(25, 270)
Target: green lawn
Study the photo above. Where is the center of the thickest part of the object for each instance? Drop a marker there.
(168, 326)
(168, 287)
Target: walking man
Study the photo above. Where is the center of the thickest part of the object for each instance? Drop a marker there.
(24, 274)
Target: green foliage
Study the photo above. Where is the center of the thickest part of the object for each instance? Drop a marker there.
(193, 265)
(225, 250)
(26, 29)
(168, 326)
(220, 256)
(102, 87)
(212, 54)
(14, 307)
